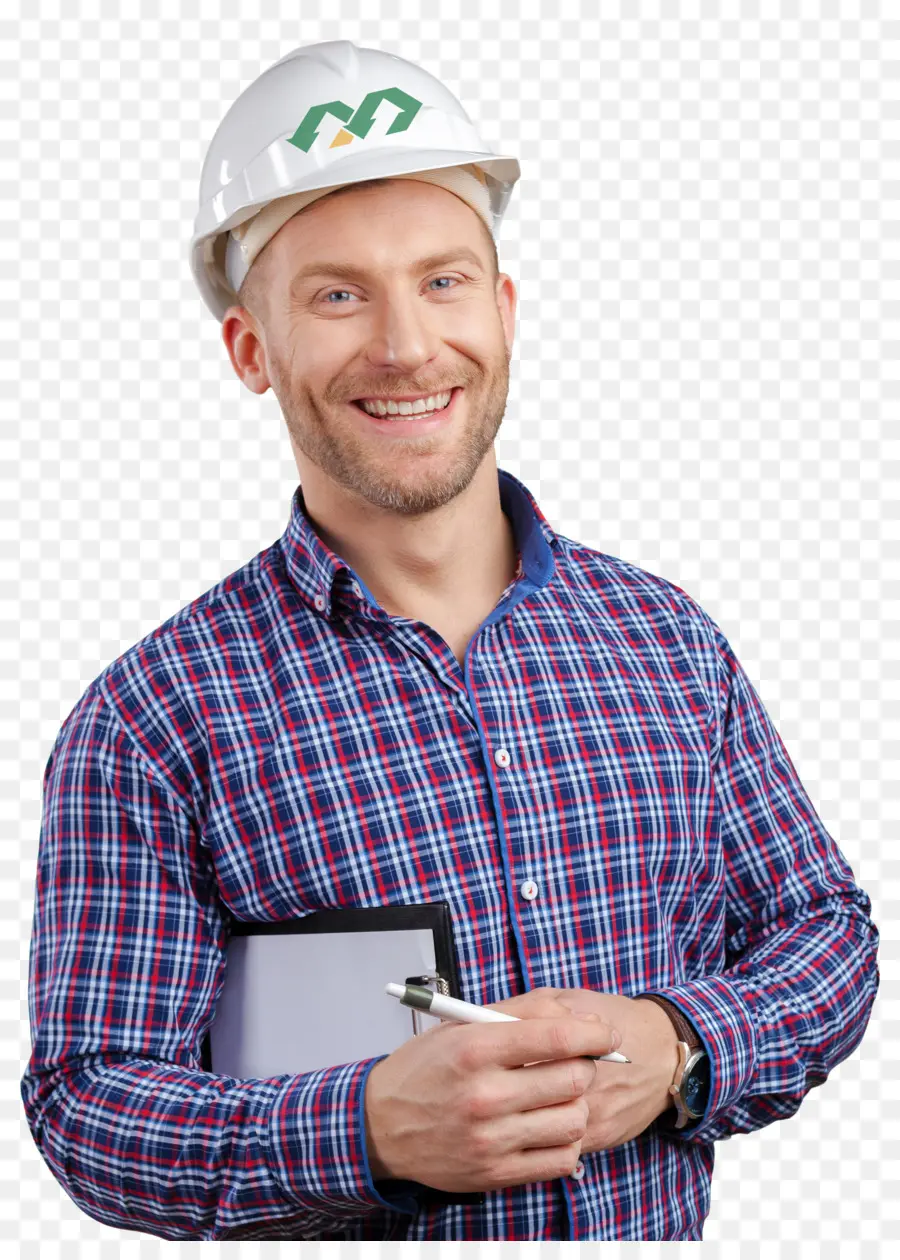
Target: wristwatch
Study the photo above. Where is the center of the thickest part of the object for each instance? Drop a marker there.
(690, 1086)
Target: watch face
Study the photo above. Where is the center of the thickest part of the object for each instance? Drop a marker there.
(695, 1086)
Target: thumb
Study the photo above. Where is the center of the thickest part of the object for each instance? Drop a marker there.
(598, 1019)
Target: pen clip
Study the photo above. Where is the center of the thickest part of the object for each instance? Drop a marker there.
(432, 980)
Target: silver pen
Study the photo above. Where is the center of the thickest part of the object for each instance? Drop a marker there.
(422, 999)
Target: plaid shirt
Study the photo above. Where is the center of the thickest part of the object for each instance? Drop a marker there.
(599, 795)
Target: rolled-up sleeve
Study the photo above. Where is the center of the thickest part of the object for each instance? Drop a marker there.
(126, 964)
(801, 971)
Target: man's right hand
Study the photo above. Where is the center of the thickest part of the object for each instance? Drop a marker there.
(477, 1107)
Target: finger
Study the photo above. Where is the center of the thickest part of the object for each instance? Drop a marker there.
(547, 1126)
(537, 1040)
(537, 1164)
(548, 1084)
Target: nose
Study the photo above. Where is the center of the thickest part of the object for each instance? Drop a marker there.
(401, 337)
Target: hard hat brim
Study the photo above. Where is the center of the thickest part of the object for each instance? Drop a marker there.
(240, 199)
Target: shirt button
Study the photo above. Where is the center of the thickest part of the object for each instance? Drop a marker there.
(356, 589)
(320, 602)
(578, 1171)
(528, 889)
(502, 757)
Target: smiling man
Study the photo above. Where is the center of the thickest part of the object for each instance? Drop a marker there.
(421, 692)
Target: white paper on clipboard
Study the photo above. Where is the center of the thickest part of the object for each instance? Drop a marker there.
(299, 1002)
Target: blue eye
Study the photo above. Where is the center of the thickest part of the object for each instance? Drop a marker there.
(327, 295)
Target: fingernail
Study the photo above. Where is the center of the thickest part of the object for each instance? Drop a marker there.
(586, 1015)
(616, 1039)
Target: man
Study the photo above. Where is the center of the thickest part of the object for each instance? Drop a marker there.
(422, 692)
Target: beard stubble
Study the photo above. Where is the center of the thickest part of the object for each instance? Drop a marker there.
(339, 448)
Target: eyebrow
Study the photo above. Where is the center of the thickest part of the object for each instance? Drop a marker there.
(351, 271)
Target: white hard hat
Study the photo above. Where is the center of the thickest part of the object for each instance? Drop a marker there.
(324, 116)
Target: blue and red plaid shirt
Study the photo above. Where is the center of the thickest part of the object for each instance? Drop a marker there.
(598, 794)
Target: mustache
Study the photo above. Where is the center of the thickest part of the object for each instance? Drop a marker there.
(417, 391)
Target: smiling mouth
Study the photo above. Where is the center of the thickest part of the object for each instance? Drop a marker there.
(409, 415)
(412, 425)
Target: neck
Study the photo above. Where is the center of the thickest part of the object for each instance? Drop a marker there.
(462, 554)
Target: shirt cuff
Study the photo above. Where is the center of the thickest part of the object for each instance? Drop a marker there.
(317, 1145)
(724, 1025)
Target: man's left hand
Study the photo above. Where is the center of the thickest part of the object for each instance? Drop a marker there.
(625, 1097)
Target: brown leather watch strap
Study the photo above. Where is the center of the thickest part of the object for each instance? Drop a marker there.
(684, 1028)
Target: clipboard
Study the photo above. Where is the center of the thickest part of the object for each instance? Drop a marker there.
(255, 1028)
(308, 993)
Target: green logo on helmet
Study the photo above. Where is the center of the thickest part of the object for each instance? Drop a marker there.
(358, 123)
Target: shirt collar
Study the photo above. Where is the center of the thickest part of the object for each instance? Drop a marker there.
(324, 581)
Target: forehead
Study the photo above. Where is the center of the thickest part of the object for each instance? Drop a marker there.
(311, 249)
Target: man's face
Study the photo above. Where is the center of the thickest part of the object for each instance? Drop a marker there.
(390, 327)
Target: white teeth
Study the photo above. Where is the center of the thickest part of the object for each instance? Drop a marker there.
(377, 407)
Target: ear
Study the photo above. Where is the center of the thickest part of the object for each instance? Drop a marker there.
(243, 338)
(507, 301)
